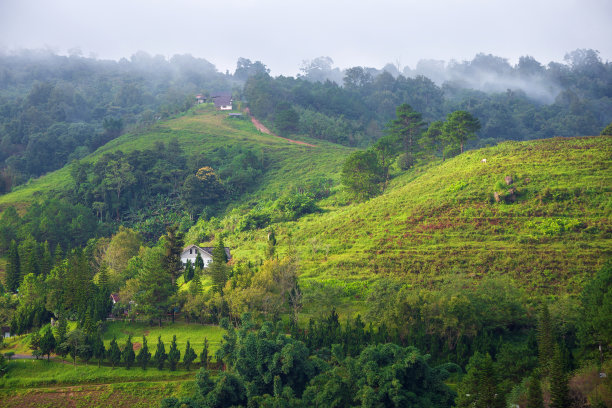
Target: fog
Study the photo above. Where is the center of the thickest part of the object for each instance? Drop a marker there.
(283, 33)
(433, 38)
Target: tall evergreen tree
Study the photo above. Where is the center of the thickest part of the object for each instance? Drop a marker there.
(545, 340)
(58, 254)
(47, 343)
(271, 244)
(127, 354)
(13, 268)
(204, 355)
(559, 390)
(195, 288)
(478, 387)
(460, 126)
(407, 128)
(154, 285)
(199, 262)
(46, 262)
(160, 354)
(188, 272)
(61, 330)
(28, 255)
(144, 356)
(114, 353)
(172, 256)
(534, 393)
(189, 356)
(174, 355)
(218, 268)
(98, 349)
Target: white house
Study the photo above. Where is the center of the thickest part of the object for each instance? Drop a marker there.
(223, 101)
(191, 252)
(200, 99)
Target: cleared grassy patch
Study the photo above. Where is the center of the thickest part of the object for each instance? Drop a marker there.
(39, 373)
(195, 333)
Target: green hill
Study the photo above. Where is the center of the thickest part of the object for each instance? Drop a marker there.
(202, 130)
(442, 220)
(550, 229)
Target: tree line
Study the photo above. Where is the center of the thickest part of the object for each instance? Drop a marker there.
(407, 139)
(353, 109)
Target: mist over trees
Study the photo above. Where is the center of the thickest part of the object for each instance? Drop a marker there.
(55, 109)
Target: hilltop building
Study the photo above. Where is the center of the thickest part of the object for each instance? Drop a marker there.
(191, 252)
(223, 101)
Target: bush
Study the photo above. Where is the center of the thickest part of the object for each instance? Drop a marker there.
(255, 219)
(292, 207)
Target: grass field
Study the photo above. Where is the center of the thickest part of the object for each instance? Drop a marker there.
(38, 383)
(441, 220)
(195, 333)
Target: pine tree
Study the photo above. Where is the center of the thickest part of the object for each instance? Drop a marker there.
(478, 387)
(534, 393)
(559, 391)
(13, 268)
(545, 340)
(173, 248)
(46, 262)
(58, 254)
(188, 272)
(174, 355)
(98, 350)
(204, 355)
(88, 324)
(47, 343)
(114, 354)
(62, 328)
(28, 255)
(144, 356)
(406, 129)
(189, 356)
(199, 262)
(128, 353)
(195, 288)
(271, 244)
(160, 354)
(218, 268)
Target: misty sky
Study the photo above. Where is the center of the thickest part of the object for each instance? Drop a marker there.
(283, 33)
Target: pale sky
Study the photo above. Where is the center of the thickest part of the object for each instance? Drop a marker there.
(283, 33)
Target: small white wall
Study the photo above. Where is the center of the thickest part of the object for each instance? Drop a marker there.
(225, 107)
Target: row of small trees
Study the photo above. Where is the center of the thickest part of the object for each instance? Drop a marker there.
(88, 347)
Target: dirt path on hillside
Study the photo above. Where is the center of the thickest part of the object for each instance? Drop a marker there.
(265, 130)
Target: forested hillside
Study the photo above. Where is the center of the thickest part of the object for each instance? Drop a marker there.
(429, 244)
(55, 109)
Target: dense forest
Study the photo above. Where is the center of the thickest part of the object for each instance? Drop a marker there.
(126, 210)
(55, 109)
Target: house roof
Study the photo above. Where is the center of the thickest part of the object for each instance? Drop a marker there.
(6, 329)
(115, 297)
(222, 99)
(209, 250)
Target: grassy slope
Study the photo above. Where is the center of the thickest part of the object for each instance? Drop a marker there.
(441, 220)
(36, 383)
(204, 129)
